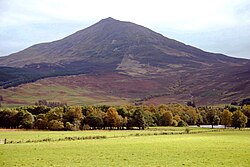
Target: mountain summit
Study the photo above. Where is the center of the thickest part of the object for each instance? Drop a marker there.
(126, 49)
(111, 40)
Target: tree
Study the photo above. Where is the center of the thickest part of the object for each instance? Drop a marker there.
(156, 117)
(166, 119)
(76, 125)
(35, 110)
(56, 125)
(226, 118)
(148, 116)
(112, 117)
(28, 120)
(120, 122)
(73, 114)
(138, 119)
(186, 117)
(51, 104)
(122, 111)
(41, 103)
(41, 121)
(73, 117)
(177, 118)
(239, 119)
(125, 122)
(212, 117)
(245, 102)
(246, 111)
(55, 114)
(8, 118)
(203, 116)
(19, 117)
(190, 103)
(95, 119)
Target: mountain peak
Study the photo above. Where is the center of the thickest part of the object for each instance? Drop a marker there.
(109, 19)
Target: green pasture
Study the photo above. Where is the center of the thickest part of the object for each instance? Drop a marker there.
(23, 136)
(220, 148)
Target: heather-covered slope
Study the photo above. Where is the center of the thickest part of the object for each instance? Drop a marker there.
(158, 67)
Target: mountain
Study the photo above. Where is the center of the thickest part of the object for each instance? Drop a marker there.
(130, 62)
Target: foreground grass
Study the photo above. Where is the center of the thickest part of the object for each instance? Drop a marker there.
(226, 148)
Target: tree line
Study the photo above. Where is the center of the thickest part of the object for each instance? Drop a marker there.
(56, 116)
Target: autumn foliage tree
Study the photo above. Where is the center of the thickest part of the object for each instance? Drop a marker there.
(73, 117)
(226, 118)
(246, 112)
(112, 118)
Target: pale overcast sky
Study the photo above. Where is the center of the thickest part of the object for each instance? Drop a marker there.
(213, 25)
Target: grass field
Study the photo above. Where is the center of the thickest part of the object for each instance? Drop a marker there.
(126, 148)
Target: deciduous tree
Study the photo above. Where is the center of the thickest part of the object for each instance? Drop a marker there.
(112, 117)
(212, 117)
(28, 120)
(239, 120)
(246, 111)
(56, 125)
(95, 119)
(226, 118)
(41, 121)
(138, 119)
(73, 114)
(166, 119)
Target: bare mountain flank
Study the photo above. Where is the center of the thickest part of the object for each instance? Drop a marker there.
(161, 69)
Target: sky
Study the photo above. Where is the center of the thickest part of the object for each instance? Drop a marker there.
(219, 26)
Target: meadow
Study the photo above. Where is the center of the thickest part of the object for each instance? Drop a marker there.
(152, 147)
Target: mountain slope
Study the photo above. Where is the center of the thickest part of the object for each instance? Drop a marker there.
(108, 41)
(123, 49)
